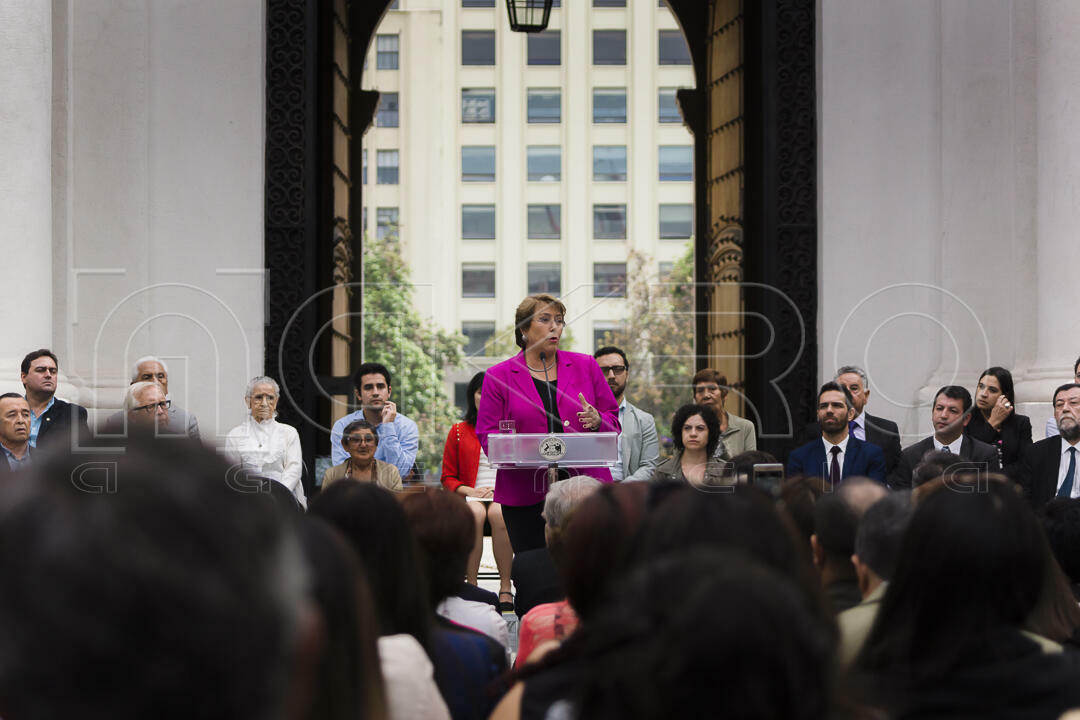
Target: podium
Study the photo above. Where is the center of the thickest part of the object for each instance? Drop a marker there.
(553, 450)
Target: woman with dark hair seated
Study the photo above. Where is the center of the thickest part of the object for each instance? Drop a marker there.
(948, 638)
(466, 471)
(360, 440)
(695, 430)
(994, 419)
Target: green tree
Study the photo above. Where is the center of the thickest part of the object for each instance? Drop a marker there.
(658, 337)
(414, 348)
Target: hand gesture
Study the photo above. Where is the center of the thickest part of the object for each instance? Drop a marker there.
(389, 412)
(1000, 412)
(589, 417)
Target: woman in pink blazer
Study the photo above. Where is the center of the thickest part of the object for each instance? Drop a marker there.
(577, 399)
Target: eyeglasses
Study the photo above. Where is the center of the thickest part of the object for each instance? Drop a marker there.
(614, 369)
(361, 440)
(152, 407)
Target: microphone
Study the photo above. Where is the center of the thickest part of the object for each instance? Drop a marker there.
(552, 422)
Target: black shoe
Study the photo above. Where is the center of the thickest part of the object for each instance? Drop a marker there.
(504, 606)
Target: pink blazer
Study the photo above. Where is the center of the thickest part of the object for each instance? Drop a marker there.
(509, 393)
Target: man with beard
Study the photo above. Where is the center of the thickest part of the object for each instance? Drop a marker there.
(836, 455)
(639, 446)
(1048, 468)
(950, 415)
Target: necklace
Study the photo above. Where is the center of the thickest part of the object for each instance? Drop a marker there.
(543, 369)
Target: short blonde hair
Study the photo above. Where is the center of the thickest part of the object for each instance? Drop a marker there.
(525, 311)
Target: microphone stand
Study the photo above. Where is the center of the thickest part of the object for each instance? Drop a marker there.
(553, 468)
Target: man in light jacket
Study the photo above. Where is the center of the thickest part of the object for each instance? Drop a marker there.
(639, 445)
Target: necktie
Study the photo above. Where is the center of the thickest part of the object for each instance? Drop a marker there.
(945, 449)
(834, 468)
(851, 427)
(1067, 483)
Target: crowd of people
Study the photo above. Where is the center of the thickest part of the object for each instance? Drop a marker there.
(873, 581)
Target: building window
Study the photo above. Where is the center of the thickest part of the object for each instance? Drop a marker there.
(545, 222)
(386, 222)
(545, 277)
(544, 163)
(478, 105)
(669, 106)
(609, 3)
(609, 222)
(386, 170)
(478, 163)
(673, 50)
(477, 334)
(545, 48)
(477, 3)
(477, 47)
(386, 52)
(544, 105)
(609, 163)
(478, 222)
(609, 105)
(676, 163)
(388, 110)
(603, 333)
(363, 166)
(609, 47)
(609, 279)
(676, 221)
(478, 280)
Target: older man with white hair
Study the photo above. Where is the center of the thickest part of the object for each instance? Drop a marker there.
(153, 369)
(262, 445)
(146, 407)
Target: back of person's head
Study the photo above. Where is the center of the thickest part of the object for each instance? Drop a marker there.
(881, 532)
(933, 465)
(1060, 519)
(372, 520)
(706, 633)
(599, 542)
(145, 585)
(836, 520)
(741, 467)
(798, 496)
(349, 682)
(560, 502)
(971, 562)
(445, 531)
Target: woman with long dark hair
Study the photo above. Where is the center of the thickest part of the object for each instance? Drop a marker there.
(994, 419)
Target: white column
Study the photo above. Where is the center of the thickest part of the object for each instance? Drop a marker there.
(25, 181)
(1057, 205)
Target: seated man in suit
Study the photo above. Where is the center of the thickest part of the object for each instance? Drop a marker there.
(153, 369)
(950, 414)
(1048, 468)
(639, 445)
(836, 454)
(1051, 422)
(51, 419)
(14, 433)
(876, 430)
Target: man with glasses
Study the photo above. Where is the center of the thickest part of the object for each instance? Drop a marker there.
(737, 435)
(153, 369)
(399, 438)
(639, 446)
(146, 407)
(49, 416)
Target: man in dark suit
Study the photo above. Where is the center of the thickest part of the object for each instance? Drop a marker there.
(52, 420)
(864, 426)
(836, 454)
(14, 433)
(1049, 467)
(950, 414)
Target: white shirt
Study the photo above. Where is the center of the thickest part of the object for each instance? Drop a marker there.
(616, 469)
(479, 616)
(411, 692)
(271, 450)
(1063, 468)
(860, 426)
(839, 458)
(954, 446)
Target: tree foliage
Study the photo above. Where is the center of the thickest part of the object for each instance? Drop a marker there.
(413, 348)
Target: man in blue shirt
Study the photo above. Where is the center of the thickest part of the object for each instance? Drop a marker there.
(14, 432)
(399, 437)
(40, 372)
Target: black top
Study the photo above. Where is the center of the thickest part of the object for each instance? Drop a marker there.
(548, 393)
(1011, 440)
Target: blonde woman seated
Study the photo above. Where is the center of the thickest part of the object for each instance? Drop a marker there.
(695, 431)
(360, 441)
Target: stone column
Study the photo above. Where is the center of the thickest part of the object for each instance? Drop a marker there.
(25, 182)
(1057, 208)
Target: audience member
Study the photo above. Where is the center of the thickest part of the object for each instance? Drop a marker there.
(695, 430)
(798, 496)
(262, 445)
(14, 433)
(153, 369)
(995, 420)
(399, 438)
(836, 454)
(740, 469)
(361, 440)
(639, 445)
(1051, 422)
(148, 588)
(836, 522)
(864, 426)
(877, 546)
(147, 409)
(934, 464)
(50, 417)
(534, 574)
(947, 640)
(467, 471)
(1048, 469)
(950, 414)
(737, 435)
(1061, 520)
